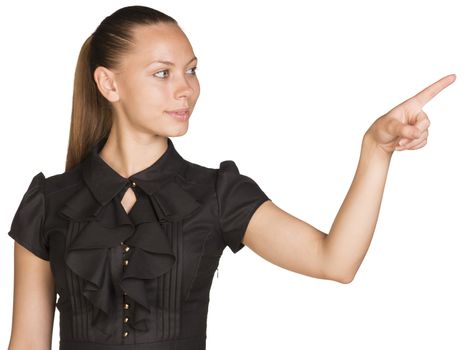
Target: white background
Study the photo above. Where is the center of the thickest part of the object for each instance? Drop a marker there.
(288, 89)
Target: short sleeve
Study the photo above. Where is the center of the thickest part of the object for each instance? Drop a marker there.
(28, 222)
(238, 198)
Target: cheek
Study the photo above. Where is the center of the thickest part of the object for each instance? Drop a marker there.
(197, 88)
(195, 85)
(146, 96)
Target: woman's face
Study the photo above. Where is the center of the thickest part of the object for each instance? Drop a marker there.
(149, 89)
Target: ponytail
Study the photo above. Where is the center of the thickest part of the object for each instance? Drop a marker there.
(91, 112)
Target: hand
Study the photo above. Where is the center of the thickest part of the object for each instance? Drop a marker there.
(405, 127)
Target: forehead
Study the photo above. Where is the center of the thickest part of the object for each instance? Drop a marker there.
(160, 41)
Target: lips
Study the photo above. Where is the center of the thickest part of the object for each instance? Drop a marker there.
(180, 110)
(180, 114)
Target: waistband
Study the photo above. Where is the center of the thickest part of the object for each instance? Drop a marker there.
(195, 343)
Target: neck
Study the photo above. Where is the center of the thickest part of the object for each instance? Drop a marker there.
(128, 153)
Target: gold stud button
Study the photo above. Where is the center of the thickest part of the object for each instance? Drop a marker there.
(125, 334)
(126, 319)
(126, 306)
(127, 248)
(126, 262)
(133, 184)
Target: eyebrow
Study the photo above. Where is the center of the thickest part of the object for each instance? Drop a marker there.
(170, 63)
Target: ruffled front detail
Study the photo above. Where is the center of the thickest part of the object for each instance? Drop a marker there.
(97, 228)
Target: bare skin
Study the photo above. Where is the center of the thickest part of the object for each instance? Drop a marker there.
(33, 302)
(295, 245)
(141, 93)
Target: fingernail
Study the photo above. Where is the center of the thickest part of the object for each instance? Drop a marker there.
(402, 142)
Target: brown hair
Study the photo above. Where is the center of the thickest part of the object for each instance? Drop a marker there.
(91, 117)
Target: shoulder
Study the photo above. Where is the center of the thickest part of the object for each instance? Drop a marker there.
(196, 173)
(201, 173)
(58, 184)
(213, 181)
(225, 174)
(212, 177)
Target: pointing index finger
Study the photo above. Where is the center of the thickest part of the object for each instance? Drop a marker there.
(424, 96)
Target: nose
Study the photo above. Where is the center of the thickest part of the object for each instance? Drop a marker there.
(184, 88)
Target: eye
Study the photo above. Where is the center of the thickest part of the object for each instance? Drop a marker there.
(194, 70)
(163, 71)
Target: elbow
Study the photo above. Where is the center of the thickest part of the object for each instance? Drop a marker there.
(337, 269)
(343, 277)
(338, 276)
(346, 279)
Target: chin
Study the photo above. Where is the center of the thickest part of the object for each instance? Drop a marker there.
(176, 130)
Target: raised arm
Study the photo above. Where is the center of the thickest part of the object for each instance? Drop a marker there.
(293, 244)
(33, 302)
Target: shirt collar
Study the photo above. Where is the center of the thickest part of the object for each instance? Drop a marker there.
(105, 183)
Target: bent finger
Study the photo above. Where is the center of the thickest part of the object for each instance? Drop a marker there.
(420, 145)
(423, 121)
(413, 143)
(409, 132)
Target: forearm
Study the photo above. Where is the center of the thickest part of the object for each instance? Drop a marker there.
(351, 233)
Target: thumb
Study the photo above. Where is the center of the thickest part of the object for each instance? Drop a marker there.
(410, 131)
(406, 130)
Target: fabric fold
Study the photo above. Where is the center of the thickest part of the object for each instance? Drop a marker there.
(106, 226)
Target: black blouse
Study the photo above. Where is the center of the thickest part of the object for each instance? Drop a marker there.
(137, 280)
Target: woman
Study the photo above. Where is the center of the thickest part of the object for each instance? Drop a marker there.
(130, 235)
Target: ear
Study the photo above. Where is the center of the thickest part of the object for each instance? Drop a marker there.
(106, 83)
